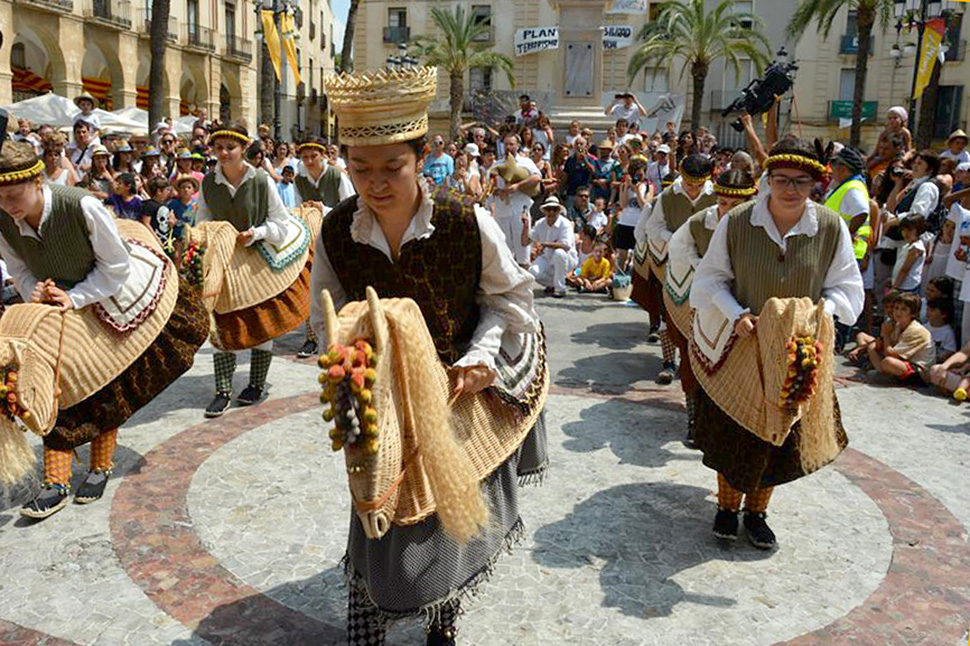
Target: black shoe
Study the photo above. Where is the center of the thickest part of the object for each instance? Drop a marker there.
(561, 294)
(309, 349)
(442, 637)
(549, 290)
(759, 534)
(219, 405)
(666, 375)
(726, 525)
(250, 395)
(51, 499)
(689, 442)
(93, 486)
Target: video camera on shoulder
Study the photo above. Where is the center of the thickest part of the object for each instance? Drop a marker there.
(760, 94)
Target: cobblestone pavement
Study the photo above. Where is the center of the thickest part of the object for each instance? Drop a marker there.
(230, 531)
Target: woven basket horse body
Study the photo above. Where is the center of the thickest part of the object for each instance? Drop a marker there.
(429, 454)
(236, 277)
(91, 352)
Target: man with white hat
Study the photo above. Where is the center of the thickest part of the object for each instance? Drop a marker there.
(557, 246)
(659, 168)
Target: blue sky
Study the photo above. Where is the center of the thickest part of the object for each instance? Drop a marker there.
(340, 8)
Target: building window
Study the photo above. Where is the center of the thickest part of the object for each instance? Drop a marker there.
(482, 15)
(655, 9)
(18, 56)
(847, 84)
(656, 79)
(852, 25)
(192, 16)
(744, 6)
(230, 19)
(480, 79)
(397, 17)
(949, 99)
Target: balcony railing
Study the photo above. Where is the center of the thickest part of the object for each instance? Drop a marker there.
(397, 34)
(487, 35)
(114, 13)
(849, 45)
(144, 25)
(60, 6)
(240, 48)
(198, 37)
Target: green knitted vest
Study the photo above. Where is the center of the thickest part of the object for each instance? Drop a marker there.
(701, 234)
(762, 271)
(64, 252)
(678, 209)
(246, 209)
(327, 191)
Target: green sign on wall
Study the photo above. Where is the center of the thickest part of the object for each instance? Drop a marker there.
(843, 110)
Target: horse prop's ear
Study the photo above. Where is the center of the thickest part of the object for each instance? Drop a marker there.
(828, 152)
(819, 150)
(329, 318)
(378, 321)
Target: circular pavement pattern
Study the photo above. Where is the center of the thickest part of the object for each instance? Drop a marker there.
(221, 528)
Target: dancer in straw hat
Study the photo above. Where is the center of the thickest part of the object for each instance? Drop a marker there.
(686, 248)
(246, 197)
(323, 185)
(403, 240)
(117, 296)
(690, 193)
(775, 273)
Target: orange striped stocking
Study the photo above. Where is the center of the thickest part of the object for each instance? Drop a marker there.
(103, 450)
(727, 496)
(57, 466)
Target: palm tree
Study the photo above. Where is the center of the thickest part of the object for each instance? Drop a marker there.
(157, 41)
(823, 12)
(347, 52)
(456, 50)
(687, 30)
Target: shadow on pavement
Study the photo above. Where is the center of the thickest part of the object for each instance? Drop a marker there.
(613, 336)
(614, 371)
(639, 536)
(636, 434)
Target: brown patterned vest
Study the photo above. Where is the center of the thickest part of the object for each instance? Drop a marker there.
(760, 268)
(678, 208)
(441, 273)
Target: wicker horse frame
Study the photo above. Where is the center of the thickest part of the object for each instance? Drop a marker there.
(433, 452)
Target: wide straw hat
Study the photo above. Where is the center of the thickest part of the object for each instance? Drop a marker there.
(381, 107)
(552, 202)
(85, 95)
(957, 134)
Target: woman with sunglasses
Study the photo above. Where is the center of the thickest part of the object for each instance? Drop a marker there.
(781, 245)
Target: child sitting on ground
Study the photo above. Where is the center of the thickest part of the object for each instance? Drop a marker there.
(905, 348)
(584, 249)
(953, 375)
(596, 274)
(939, 317)
(859, 354)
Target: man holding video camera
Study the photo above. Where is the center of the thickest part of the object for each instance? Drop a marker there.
(626, 106)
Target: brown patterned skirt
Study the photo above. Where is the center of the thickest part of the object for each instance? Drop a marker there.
(265, 321)
(648, 294)
(747, 461)
(165, 360)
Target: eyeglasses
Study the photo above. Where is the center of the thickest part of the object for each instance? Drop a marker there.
(800, 184)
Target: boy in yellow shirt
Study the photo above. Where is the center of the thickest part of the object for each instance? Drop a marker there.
(596, 274)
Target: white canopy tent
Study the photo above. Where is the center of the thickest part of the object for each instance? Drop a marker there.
(60, 111)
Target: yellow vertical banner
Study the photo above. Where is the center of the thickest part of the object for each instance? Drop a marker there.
(272, 38)
(932, 40)
(289, 44)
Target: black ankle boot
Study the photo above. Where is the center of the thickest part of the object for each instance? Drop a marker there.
(442, 636)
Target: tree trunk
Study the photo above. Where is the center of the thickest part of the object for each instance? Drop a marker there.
(158, 41)
(457, 101)
(267, 84)
(698, 72)
(923, 137)
(347, 52)
(865, 21)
